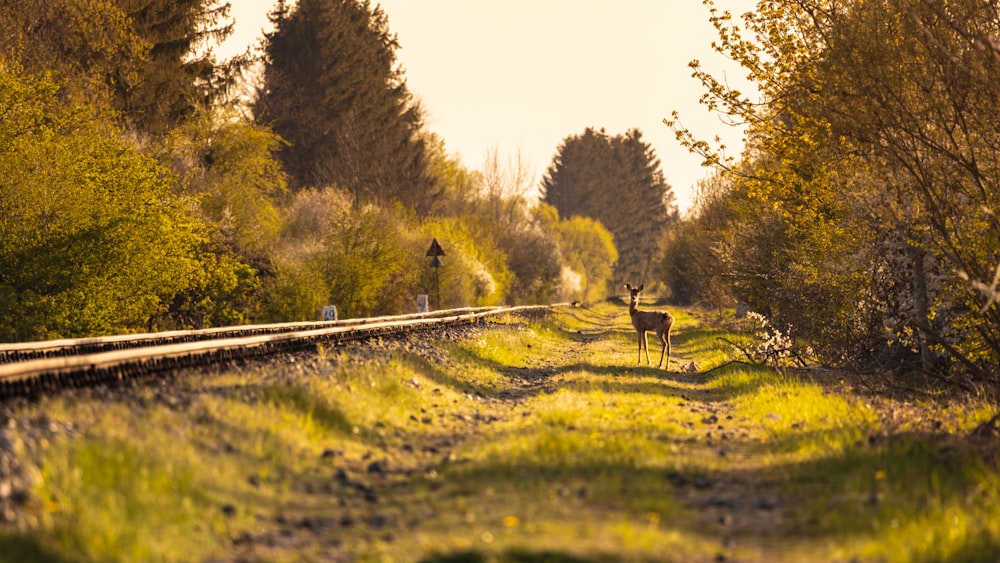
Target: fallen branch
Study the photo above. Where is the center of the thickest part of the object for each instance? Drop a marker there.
(729, 363)
(753, 361)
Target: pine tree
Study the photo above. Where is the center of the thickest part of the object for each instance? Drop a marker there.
(178, 75)
(333, 90)
(148, 59)
(617, 181)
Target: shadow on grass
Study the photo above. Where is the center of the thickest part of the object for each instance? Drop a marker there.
(851, 497)
(516, 556)
(306, 402)
(653, 380)
(582, 321)
(27, 550)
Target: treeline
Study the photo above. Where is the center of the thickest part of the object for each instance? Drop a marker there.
(862, 216)
(146, 185)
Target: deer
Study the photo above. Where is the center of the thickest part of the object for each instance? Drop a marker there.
(649, 321)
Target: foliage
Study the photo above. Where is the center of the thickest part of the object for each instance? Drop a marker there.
(588, 252)
(332, 90)
(93, 241)
(148, 59)
(140, 199)
(366, 264)
(372, 261)
(616, 181)
(475, 271)
(533, 256)
(692, 266)
(590, 248)
(223, 291)
(870, 179)
(227, 164)
(295, 291)
(88, 43)
(500, 210)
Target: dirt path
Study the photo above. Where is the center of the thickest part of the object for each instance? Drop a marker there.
(541, 444)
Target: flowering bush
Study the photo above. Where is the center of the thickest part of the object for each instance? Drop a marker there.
(774, 345)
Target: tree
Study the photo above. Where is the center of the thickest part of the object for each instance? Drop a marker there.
(149, 59)
(533, 257)
(460, 188)
(179, 74)
(505, 185)
(872, 162)
(932, 123)
(589, 251)
(227, 164)
(332, 89)
(92, 239)
(617, 181)
(86, 43)
(692, 265)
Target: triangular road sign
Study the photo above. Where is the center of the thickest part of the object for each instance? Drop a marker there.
(435, 249)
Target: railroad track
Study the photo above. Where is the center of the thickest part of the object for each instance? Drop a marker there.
(28, 369)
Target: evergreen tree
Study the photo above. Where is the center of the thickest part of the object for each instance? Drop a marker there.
(332, 89)
(617, 181)
(179, 74)
(146, 58)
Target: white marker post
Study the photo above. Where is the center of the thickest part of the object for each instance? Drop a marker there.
(330, 313)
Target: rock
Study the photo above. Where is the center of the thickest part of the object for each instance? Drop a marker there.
(677, 478)
(766, 504)
(702, 483)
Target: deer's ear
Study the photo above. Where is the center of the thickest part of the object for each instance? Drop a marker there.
(628, 286)
(641, 285)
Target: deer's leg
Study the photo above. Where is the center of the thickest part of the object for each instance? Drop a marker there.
(666, 340)
(645, 345)
(641, 336)
(664, 345)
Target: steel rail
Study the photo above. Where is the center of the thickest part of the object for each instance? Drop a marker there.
(22, 351)
(36, 376)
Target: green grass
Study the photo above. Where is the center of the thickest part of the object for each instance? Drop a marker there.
(525, 441)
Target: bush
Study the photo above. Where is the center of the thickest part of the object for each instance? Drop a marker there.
(475, 271)
(589, 251)
(94, 241)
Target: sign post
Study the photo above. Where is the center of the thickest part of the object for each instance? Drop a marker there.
(435, 252)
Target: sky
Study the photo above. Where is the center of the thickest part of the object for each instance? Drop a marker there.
(519, 76)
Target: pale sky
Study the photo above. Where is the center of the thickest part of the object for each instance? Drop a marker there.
(522, 75)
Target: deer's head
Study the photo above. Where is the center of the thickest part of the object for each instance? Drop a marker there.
(634, 292)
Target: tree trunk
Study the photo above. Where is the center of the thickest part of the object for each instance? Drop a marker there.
(922, 308)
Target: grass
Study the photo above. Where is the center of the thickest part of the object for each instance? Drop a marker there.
(537, 441)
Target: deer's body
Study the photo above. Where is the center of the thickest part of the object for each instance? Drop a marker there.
(649, 321)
